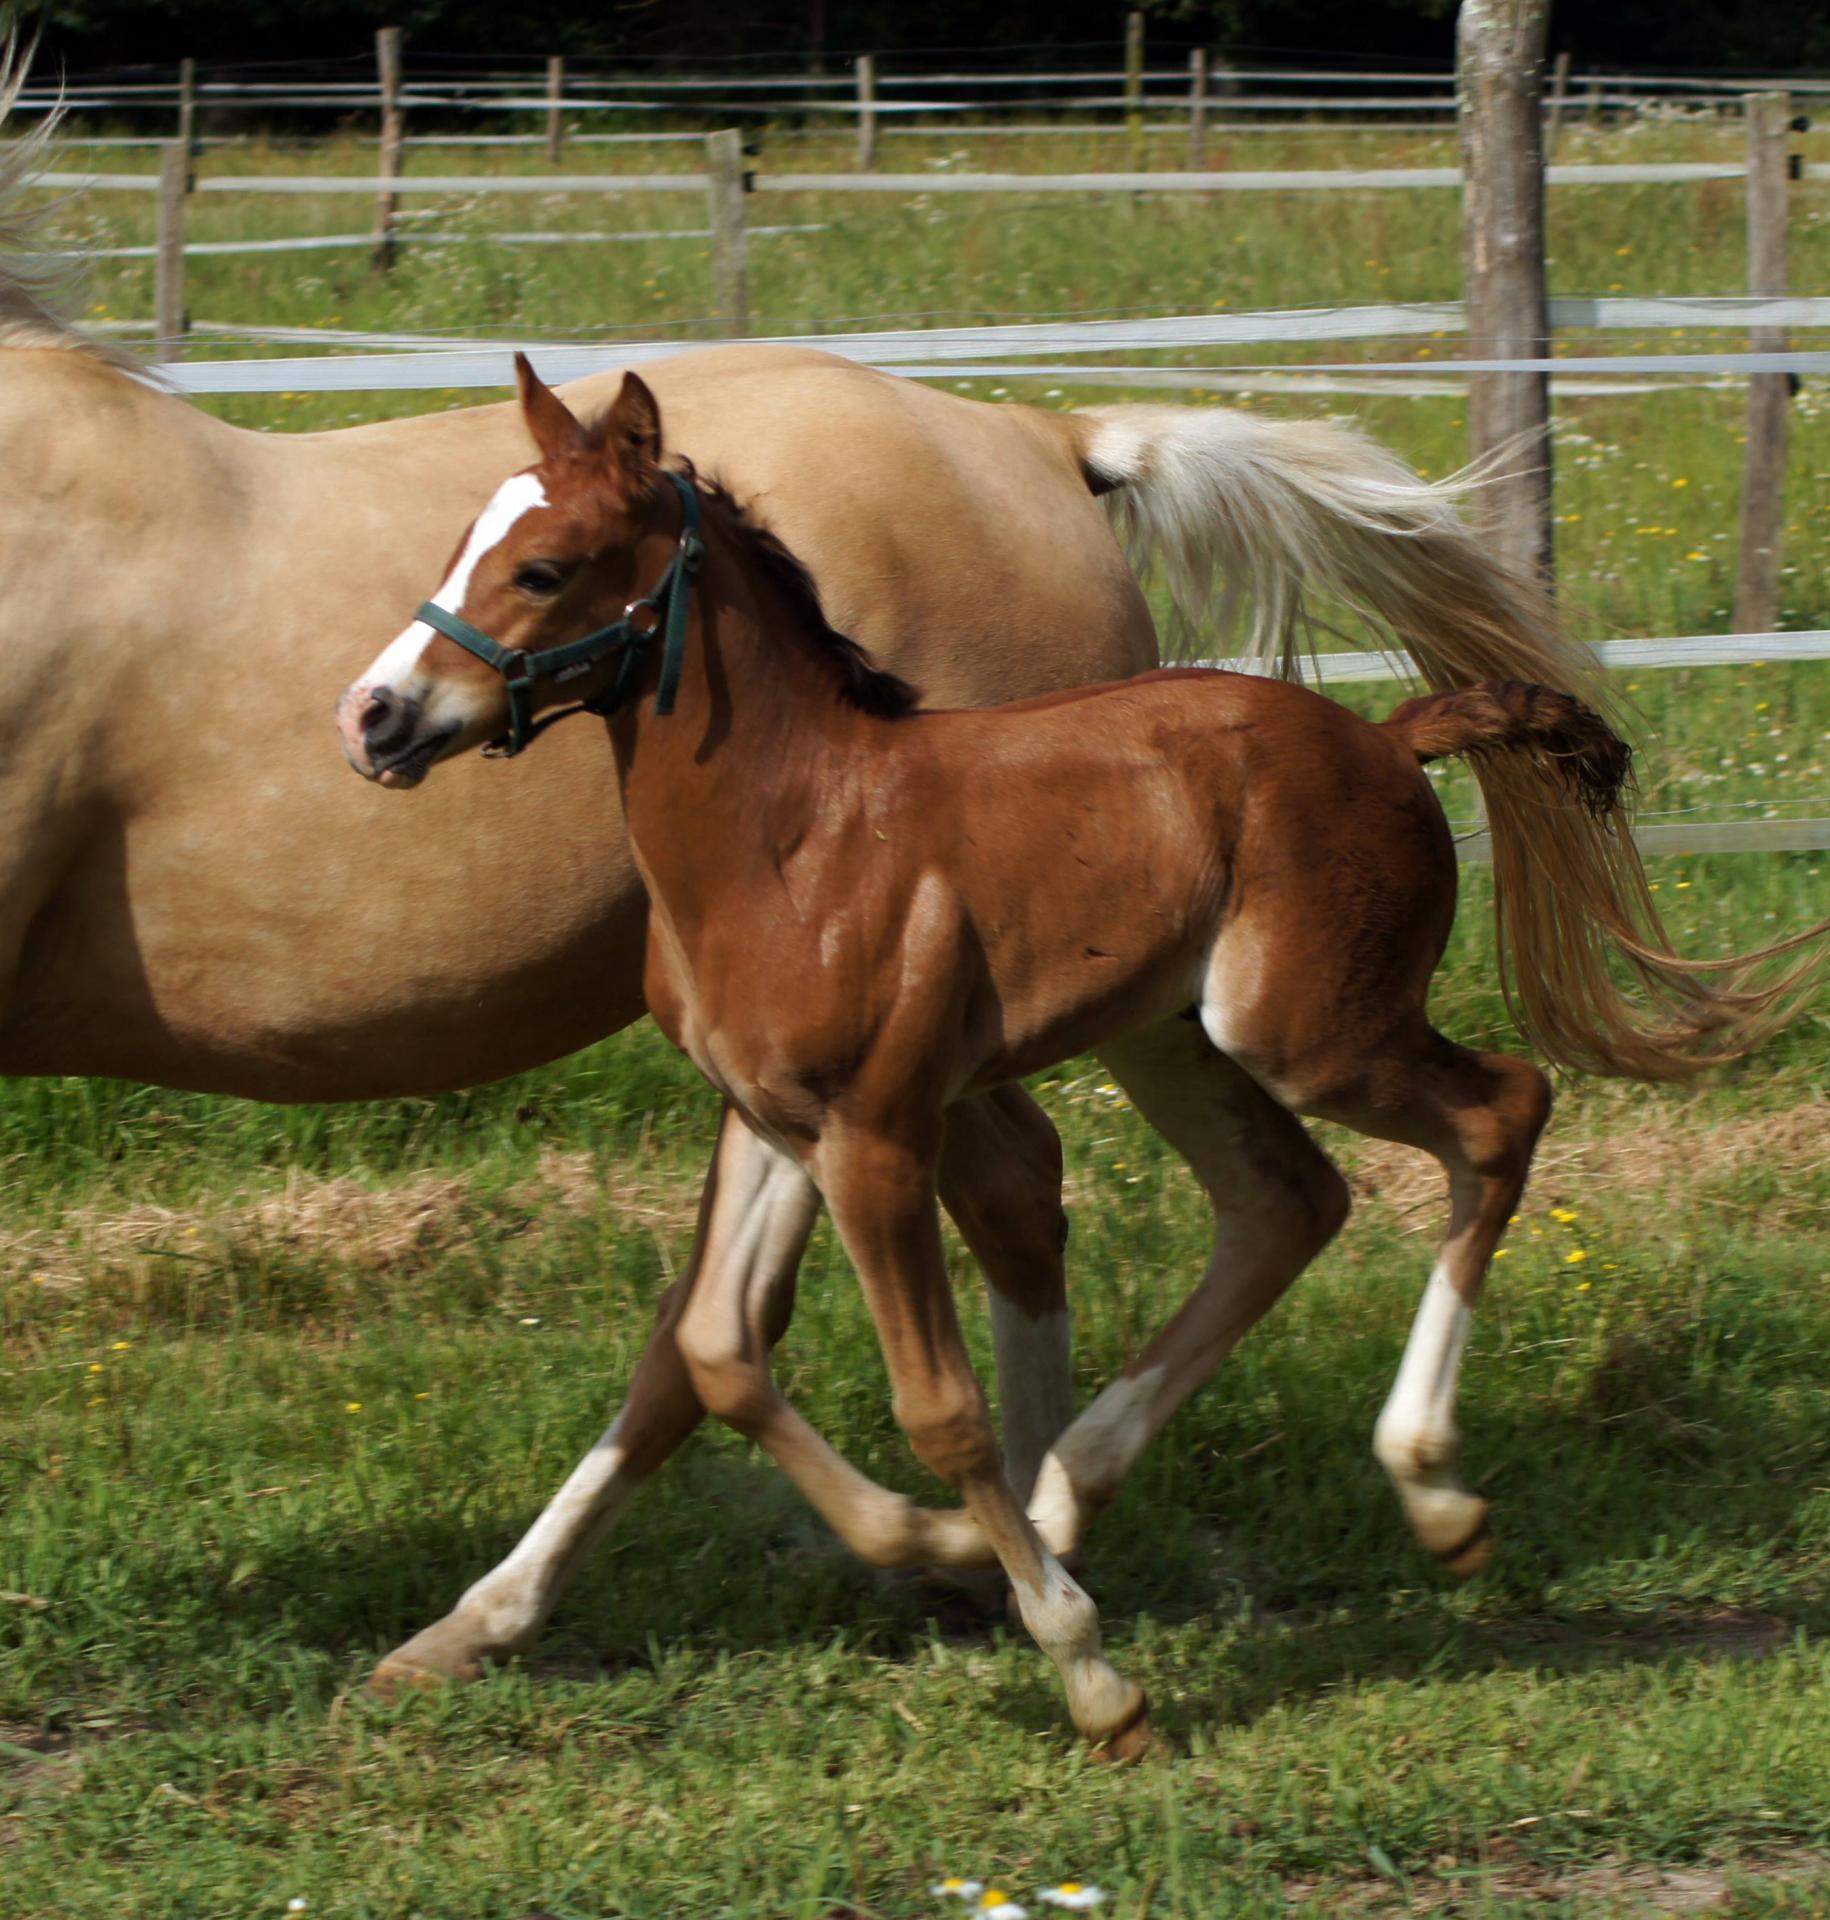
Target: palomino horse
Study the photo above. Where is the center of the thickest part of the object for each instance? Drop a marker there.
(864, 917)
(185, 898)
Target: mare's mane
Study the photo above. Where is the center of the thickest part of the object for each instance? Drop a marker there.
(30, 286)
(859, 684)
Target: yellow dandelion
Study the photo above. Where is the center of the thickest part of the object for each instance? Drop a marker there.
(1565, 1214)
(1575, 1256)
(1503, 1253)
(120, 1346)
(352, 1406)
(1582, 1286)
(95, 1366)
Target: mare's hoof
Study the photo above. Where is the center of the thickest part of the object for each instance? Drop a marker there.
(1130, 1743)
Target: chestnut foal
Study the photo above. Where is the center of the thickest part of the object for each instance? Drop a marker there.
(861, 914)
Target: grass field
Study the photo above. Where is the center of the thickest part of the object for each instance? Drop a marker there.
(274, 1383)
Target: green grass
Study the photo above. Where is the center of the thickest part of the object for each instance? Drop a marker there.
(275, 1382)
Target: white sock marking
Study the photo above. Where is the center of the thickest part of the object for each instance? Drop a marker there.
(1418, 1420)
(1088, 1462)
(515, 1597)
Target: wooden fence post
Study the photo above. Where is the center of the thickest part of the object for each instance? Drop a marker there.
(730, 246)
(1499, 73)
(187, 104)
(1763, 475)
(555, 100)
(387, 58)
(1559, 94)
(867, 112)
(1197, 110)
(168, 264)
(1134, 84)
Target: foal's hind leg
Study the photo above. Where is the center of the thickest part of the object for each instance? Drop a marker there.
(1480, 1114)
(1277, 1201)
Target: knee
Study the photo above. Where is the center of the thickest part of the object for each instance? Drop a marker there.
(732, 1385)
(950, 1431)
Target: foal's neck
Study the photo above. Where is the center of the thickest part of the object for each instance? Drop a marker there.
(761, 733)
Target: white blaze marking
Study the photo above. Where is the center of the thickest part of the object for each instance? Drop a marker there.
(515, 496)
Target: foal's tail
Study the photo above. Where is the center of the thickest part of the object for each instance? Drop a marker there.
(1254, 516)
(1567, 740)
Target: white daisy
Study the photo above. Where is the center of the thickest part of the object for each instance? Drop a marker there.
(996, 1904)
(959, 1889)
(1073, 1895)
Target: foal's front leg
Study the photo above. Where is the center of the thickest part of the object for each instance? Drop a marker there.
(759, 1208)
(881, 1190)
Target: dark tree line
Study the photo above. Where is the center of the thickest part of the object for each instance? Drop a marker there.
(1725, 36)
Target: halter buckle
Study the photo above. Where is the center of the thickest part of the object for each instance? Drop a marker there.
(637, 631)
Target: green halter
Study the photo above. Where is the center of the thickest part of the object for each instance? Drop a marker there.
(665, 603)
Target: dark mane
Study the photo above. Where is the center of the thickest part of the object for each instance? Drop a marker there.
(859, 684)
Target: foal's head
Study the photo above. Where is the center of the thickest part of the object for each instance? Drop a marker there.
(563, 549)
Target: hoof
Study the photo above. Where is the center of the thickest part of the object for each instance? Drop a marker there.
(1130, 1743)
(395, 1678)
(1471, 1557)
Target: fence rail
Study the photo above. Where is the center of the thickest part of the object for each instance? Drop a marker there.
(1295, 180)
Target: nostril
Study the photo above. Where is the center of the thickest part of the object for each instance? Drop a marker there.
(385, 718)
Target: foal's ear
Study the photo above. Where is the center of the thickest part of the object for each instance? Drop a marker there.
(632, 428)
(554, 427)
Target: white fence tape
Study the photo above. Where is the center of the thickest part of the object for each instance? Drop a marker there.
(1304, 180)
(492, 366)
(1702, 836)
(1689, 650)
(483, 236)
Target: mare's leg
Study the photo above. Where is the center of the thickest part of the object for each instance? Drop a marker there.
(1000, 1179)
(880, 1186)
(763, 1209)
(1480, 1114)
(1277, 1201)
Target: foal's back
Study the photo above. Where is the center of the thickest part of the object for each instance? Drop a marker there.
(1125, 852)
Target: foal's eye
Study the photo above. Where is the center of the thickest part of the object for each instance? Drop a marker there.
(539, 576)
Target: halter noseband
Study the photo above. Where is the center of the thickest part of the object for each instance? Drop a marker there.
(664, 605)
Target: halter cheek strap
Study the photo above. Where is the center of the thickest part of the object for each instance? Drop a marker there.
(660, 613)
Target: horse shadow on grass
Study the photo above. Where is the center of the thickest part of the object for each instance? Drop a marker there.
(1604, 1512)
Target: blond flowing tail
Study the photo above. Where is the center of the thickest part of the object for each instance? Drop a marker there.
(1248, 519)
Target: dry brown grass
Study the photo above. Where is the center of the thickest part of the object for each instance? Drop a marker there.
(384, 1229)
(1640, 1159)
